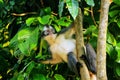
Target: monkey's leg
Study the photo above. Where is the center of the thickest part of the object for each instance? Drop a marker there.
(55, 59)
(52, 61)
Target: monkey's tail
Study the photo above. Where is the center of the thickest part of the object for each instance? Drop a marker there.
(73, 64)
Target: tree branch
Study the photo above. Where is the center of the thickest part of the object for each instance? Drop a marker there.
(78, 23)
(101, 44)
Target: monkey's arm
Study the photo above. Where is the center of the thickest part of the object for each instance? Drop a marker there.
(68, 32)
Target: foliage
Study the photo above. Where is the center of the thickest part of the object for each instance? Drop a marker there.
(21, 24)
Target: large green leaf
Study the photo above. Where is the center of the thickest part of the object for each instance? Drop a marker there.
(90, 2)
(24, 34)
(58, 77)
(33, 39)
(27, 39)
(73, 7)
(61, 6)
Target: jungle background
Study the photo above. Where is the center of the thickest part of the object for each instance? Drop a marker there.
(21, 24)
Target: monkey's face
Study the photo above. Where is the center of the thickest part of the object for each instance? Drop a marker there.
(48, 30)
(48, 34)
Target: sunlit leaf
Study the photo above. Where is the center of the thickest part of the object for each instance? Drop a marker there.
(24, 34)
(63, 21)
(58, 77)
(24, 47)
(44, 20)
(33, 39)
(29, 21)
(73, 6)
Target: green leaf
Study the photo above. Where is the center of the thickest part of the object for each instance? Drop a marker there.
(90, 2)
(90, 29)
(29, 21)
(39, 77)
(58, 77)
(27, 39)
(111, 39)
(73, 7)
(63, 21)
(61, 6)
(33, 39)
(24, 34)
(113, 13)
(117, 2)
(109, 49)
(44, 20)
(117, 48)
(24, 48)
(30, 67)
(20, 77)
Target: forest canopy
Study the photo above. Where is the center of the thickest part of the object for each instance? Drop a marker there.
(21, 24)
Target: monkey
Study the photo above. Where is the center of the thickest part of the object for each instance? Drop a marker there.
(62, 46)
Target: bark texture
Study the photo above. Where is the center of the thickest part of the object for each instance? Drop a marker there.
(101, 44)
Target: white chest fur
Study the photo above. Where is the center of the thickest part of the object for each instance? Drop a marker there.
(62, 47)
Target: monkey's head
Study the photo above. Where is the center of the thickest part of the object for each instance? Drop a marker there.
(48, 30)
(48, 34)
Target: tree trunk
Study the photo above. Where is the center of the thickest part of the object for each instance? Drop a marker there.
(101, 44)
